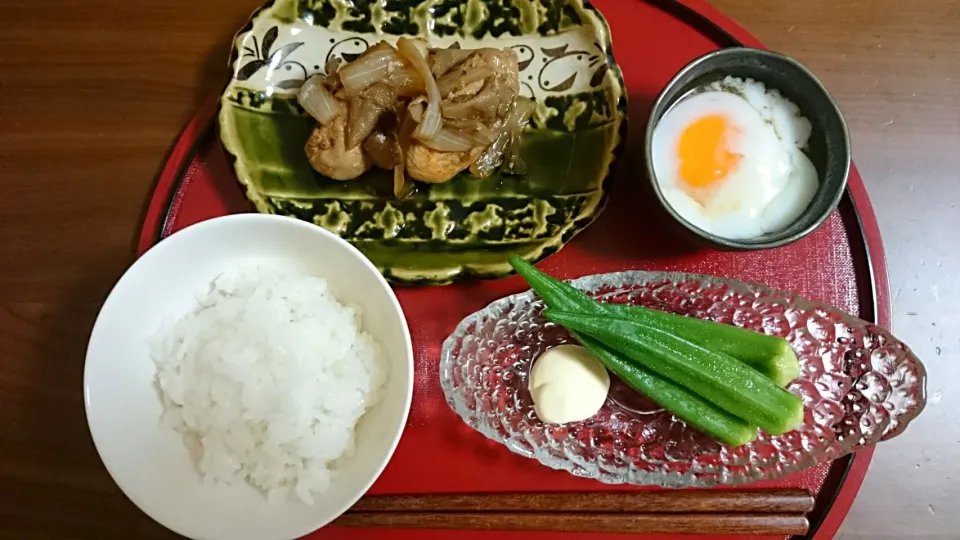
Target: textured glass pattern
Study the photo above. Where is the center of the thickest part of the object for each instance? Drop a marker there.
(860, 386)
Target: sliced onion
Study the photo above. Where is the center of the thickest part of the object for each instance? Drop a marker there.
(431, 122)
(506, 148)
(416, 110)
(522, 111)
(408, 81)
(407, 125)
(491, 158)
(516, 120)
(461, 78)
(448, 140)
(484, 104)
(373, 66)
(472, 131)
(332, 81)
(446, 59)
(471, 124)
(332, 65)
(318, 101)
(402, 185)
(478, 134)
(422, 47)
(520, 114)
(512, 162)
(483, 135)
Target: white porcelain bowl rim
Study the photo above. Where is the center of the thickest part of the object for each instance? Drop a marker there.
(156, 255)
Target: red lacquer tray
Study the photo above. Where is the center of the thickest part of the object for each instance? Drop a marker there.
(842, 264)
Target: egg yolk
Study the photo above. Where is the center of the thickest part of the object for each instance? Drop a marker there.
(704, 156)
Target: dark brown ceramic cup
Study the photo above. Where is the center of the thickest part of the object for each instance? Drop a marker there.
(828, 148)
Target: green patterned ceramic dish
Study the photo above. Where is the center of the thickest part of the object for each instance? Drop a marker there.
(466, 227)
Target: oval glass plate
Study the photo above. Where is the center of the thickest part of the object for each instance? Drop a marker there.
(466, 227)
(860, 386)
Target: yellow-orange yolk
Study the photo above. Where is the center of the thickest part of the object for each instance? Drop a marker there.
(704, 156)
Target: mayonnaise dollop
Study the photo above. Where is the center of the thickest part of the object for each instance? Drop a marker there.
(568, 384)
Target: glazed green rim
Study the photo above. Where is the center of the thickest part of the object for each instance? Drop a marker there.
(775, 240)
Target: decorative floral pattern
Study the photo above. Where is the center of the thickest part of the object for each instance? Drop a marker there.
(860, 386)
(570, 62)
(560, 62)
(556, 72)
(272, 60)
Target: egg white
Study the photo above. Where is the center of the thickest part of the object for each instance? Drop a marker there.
(769, 188)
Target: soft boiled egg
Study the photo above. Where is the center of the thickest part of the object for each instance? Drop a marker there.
(722, 165)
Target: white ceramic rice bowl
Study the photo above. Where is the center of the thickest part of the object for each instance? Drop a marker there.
(150, 463)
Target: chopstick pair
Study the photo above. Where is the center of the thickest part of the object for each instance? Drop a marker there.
(682, 512)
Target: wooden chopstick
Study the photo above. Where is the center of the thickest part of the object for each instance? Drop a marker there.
(680, 512)
(713, 501)
(685, 523)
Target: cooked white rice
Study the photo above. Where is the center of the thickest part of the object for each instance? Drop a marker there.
(784, 115)
(266, 379)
